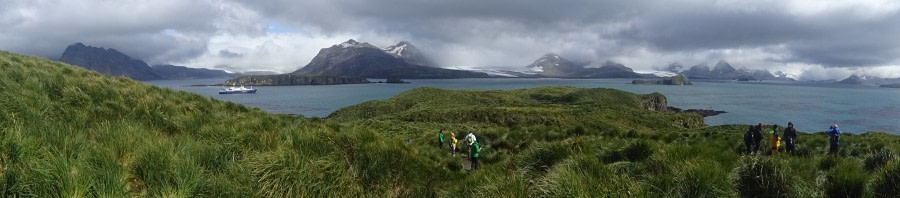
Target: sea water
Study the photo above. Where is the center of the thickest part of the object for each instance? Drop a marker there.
(811, 107)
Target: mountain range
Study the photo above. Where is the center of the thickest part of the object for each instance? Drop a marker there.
(552, 65)
(725, 71)
(114, 63)
(867, 80)
(356, 59)
(402, 60)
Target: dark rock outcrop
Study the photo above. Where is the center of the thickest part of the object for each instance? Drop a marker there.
(395, 81)
(355, 59)
(654, 102)
(704, 112)
(108, 61)
(701, 112)
(293, 79)
(657, 102)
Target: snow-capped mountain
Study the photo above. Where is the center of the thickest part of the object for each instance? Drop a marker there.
(407, 51)
(356, 59)
(723, 68)
(725, 71)
(553, 65)
(782, 75)
(354, 44)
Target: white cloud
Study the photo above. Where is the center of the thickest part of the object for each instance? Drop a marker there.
(281, 52)
(865, 9)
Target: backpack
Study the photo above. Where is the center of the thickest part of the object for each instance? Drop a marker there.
(476, 149)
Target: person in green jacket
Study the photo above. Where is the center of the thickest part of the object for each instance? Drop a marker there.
(473, 154)
(441, 139)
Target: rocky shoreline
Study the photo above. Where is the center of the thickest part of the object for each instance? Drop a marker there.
(701, 112)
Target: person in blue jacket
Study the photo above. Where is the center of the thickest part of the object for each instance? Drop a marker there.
(834, 136)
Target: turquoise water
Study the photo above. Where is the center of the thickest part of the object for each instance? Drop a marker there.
(810, 107)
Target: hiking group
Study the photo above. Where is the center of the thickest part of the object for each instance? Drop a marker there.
(753, 137)
(472, 142)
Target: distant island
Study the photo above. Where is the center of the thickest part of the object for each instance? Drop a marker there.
(395, 81)
(674, 80)
(294, 79)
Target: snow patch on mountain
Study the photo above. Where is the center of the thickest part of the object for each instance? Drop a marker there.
(491, 72)
(656, 73)
(353, 44)
(397, 50)
(537, 69)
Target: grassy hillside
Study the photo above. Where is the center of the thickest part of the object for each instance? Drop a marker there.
(538, 109)
(67, 132)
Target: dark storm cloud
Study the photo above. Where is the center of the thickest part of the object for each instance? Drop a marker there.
(840, 36)
(422, 15)
(229, 54)
(158, 31)
(833, 39)
(639, 33)
(705, 30)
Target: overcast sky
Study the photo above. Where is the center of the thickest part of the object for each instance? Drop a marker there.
(816, 39)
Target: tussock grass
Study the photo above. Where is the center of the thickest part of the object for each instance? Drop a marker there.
(760, 177)
(846, 180)
(69, 132)
(886, 181)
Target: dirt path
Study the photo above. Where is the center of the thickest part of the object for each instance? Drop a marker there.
(466, 163)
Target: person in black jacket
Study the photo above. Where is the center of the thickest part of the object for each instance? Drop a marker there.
(790, 138)
(757, 137)
(748, 140)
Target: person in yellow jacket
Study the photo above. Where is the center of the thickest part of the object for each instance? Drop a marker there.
(774, 140)
(453, 142)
